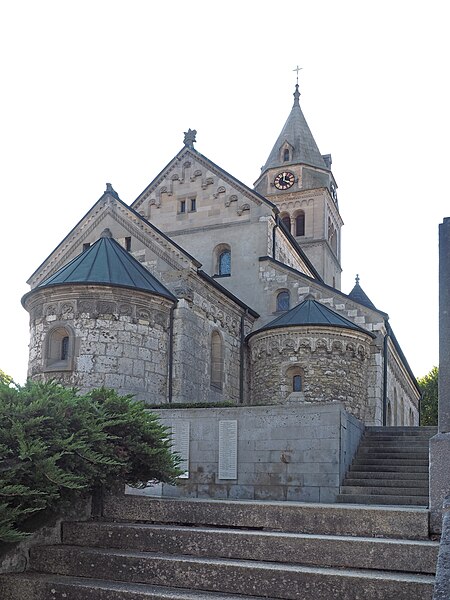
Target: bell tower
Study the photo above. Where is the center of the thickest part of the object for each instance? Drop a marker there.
(298, 179)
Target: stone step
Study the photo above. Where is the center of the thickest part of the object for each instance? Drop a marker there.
(394, 450)
(384, 491)
(319, 550)
(396, 475)
(34, 586)
(382, 500)
(401, 430)
(295, 517)
(395, 441)
(274, 580)
(388, 468)
(421, 484)
(381, 460)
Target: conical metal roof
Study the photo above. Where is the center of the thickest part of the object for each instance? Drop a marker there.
(298, 135)
(310, 312)
(360, 296)
(107, 263)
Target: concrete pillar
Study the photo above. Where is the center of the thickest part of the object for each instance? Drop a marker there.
(440, 443)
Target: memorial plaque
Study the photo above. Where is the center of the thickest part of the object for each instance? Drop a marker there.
(180, 444)
(227, 449)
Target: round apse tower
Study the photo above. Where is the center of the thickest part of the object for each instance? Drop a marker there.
(102, 320)
(311, 354)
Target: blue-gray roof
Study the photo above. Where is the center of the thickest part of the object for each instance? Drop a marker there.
(107, 263)
(297, 133)
(359, 295)
(310, 312)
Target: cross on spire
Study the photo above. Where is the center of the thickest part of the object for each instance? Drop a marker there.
(297, 69)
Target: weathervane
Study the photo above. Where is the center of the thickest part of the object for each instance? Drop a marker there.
(297, 69)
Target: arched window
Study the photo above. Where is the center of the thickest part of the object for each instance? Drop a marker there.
(222, 260)
(300, 224)
(295, 380)
(286, 155)
(225, 262)
(283, 301)
(297, 383)
(65, 348)
(59, 349)
(286, 220)
(216, 360)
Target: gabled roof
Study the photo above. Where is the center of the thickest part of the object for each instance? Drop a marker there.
(107, 263)
(311, 313)
(359, 295)
(111, 193)
(190, 150)
(297, 134)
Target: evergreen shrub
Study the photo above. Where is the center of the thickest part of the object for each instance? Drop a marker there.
(56, 444)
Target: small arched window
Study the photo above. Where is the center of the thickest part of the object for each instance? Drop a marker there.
(216, 360)
(225, 262)
(295, 380)
(283, 301)
(286, 155)
(300, 224)
(59, 349)
(297, 383)
(65, 348)
(286, 220)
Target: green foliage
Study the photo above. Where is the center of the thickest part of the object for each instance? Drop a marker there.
(55, 444)
(4, 378)
(429, 405)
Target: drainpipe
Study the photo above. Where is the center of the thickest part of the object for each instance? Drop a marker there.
(385, 372)
(170, 365)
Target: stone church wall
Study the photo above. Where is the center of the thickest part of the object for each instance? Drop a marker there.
(402, 396)
(117, 339)
(333, 364)
(200, 312)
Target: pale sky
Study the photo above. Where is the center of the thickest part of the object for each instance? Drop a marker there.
(101, 91)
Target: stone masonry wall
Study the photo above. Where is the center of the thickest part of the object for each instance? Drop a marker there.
(298, 453)
(334, 363)
(118, 339)
(202, 310)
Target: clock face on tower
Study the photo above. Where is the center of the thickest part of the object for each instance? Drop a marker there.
(284, 180)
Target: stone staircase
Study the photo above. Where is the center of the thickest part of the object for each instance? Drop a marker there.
(175, 549)
(390, 467)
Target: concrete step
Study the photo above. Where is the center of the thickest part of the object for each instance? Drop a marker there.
(395, 440)
(295, 517)
(421, 484)
(388, 468)
(34, 586)
(318, 550)
(274, 580)
(384, 491)
(396, 476)
(382, 460)
(382, 500)
(402, 430)
(394, 450)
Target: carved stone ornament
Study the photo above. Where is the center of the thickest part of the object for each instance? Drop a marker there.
(189, 137)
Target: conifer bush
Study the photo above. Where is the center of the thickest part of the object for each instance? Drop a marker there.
(56, 444)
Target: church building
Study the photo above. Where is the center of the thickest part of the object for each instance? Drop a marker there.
(205, 291)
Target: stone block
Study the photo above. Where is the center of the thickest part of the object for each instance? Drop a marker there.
(439, 477)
